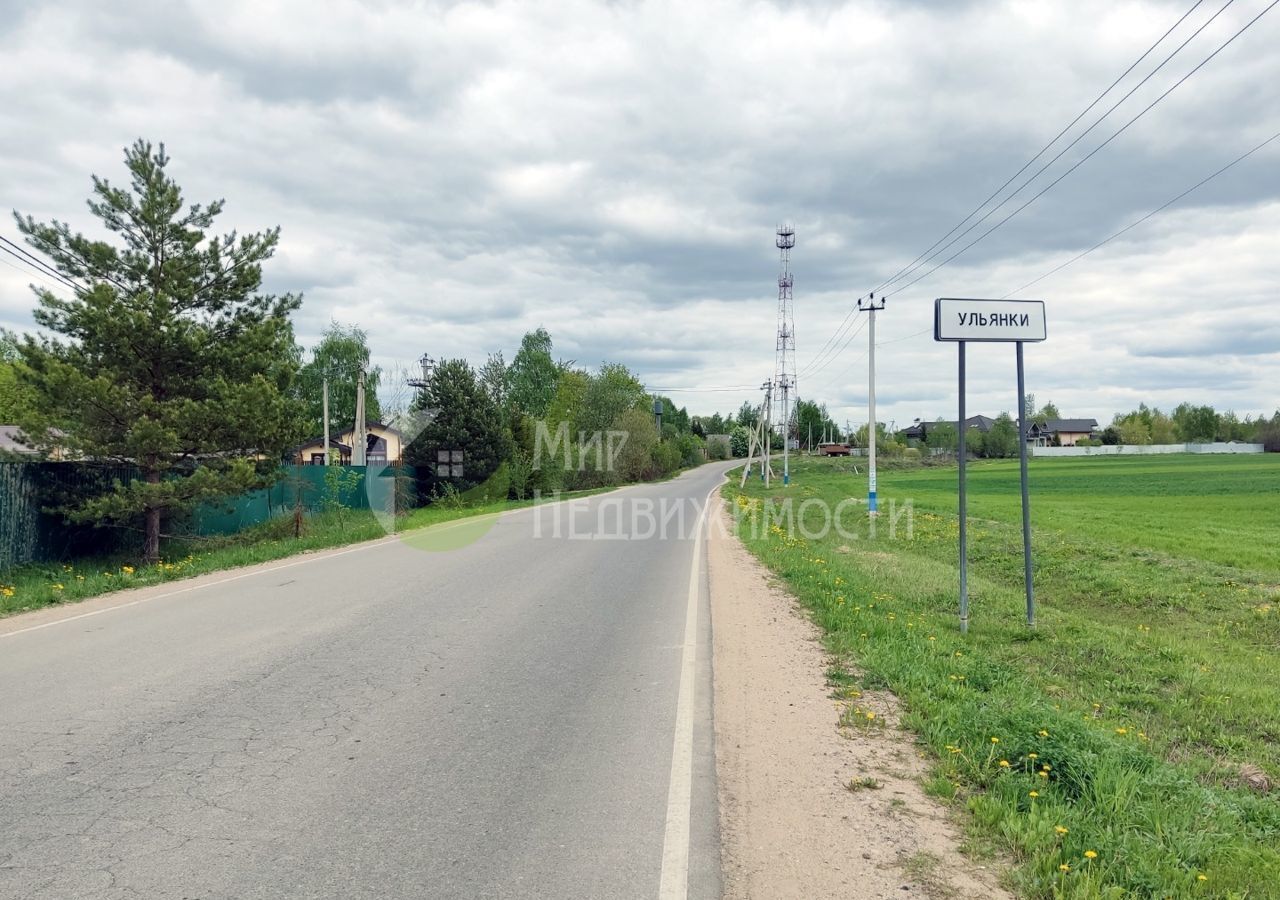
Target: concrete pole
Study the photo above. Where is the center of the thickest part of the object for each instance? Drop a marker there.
(359, 437)
(872, 510)
(325, 404)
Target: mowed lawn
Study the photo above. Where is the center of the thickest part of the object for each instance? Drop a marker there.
(1130, 744)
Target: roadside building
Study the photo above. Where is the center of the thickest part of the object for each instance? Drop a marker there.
(384, 447)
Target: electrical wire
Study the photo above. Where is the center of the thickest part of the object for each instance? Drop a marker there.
(836, 354)
(930, 254)
(1090, 154)
(1159, 209)
(36, 263)
(833, 337)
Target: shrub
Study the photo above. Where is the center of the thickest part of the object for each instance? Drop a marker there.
(666, 459)
(691, 449)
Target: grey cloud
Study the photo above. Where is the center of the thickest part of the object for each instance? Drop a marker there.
(452, 175)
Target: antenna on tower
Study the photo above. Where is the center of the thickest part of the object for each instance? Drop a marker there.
(427, 364)
(784, 380)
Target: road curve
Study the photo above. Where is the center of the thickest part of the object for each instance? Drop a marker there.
(496, 720)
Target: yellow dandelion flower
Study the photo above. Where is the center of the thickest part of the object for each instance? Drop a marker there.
(1091, 854)
(1122, 731)
(1033, 794)
(1043, 774)
(870, 716)
(1043, 733)
(995, 740)
(1033, 756)
(1060, 829)
(1064, 868)
(1202, 877)
(1004, 763)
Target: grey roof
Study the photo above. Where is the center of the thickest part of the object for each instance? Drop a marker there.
(9, 442)
(982, 423)
(1068, 424)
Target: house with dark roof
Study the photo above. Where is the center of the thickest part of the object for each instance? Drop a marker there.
(1060, 432)
(920, 430)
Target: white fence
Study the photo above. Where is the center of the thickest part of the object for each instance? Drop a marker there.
(1146, 449)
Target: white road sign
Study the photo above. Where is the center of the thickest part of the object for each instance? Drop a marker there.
(988, 320)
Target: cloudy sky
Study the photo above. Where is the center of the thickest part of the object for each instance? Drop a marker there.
(449, 176)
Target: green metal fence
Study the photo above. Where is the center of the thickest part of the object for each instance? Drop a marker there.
(30, 533)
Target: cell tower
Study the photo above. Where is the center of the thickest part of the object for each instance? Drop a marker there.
(784, 379)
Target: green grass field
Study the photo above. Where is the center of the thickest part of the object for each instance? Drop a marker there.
(1121, 749)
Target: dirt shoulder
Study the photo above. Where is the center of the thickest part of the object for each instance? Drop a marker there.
(791, 826)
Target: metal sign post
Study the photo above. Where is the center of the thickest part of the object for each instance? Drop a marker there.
(1001, 321)
(964, 512)
(1026, 502)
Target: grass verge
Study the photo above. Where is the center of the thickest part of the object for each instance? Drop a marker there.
(1129, 746)
(49, 584)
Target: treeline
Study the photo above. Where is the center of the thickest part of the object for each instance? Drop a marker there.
(538, 424)
(1189, 424)
(810, 426)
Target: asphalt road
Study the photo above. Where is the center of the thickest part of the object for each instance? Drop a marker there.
(504, 719)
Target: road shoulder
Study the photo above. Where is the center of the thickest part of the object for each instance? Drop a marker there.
(791, 825)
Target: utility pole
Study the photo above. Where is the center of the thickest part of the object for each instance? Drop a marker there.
(325, 407)
(766, 430)
(359, 439)
(871, 307)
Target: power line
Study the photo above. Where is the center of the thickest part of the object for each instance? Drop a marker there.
(1089, 155)
(835, 336)
(36, 263)
(836, 353)
(863, 355)
(928, 254)
(1159, 209)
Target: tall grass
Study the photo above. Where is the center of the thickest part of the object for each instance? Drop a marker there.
(1109, 751)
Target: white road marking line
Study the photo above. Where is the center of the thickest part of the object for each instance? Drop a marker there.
(674, 882)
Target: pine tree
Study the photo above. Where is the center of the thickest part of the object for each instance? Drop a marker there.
(464, 420)
(168, 360)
